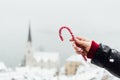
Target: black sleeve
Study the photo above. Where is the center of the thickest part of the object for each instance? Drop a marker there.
(107, 58)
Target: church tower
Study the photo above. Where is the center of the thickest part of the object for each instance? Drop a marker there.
(29, 50)
(29, 41)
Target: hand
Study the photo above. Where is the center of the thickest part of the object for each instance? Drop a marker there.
(84, 43)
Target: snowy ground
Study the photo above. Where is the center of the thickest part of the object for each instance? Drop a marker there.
(27, 73)
(84, 72)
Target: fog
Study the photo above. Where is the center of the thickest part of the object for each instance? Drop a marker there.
(96, 20)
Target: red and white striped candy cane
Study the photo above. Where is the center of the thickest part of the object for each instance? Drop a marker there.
(73, 37)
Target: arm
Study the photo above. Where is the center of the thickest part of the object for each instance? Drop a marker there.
(100, 55)
(105, 57)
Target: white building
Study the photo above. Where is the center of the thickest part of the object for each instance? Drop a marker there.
(3, 67)
(39, 59)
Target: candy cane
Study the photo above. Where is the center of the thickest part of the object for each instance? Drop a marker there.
(73, 38)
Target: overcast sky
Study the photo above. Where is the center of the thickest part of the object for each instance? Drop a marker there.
(95, 19)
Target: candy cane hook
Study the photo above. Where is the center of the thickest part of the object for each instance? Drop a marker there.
(60, 35)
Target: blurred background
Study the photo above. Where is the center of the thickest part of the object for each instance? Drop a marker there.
(30, 47)
(96, 20)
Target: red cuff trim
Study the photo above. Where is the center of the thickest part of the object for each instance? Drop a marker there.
(93, 49)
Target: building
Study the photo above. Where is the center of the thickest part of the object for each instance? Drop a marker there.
(71, 68)
(37, 58)
(73, 63)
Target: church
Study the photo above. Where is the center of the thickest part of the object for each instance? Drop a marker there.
(39, 59)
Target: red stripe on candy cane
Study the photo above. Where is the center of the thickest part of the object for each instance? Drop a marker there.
(73, 37)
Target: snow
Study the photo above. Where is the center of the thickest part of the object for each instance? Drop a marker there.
(2, 67)
(84, 72)
(27, 73)
(45, 56)
(77, 58)
(111, 60)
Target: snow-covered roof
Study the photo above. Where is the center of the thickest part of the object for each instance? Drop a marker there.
(76, 58)
(46, 56)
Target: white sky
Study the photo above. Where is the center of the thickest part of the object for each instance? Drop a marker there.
(99, 20)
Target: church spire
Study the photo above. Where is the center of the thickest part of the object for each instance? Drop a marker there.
(29, 34)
